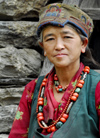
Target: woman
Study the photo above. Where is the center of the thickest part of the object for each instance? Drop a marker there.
(64, 103)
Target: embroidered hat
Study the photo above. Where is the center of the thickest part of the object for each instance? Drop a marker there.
(60, 14)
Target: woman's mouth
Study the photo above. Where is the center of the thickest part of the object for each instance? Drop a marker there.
(60, 55)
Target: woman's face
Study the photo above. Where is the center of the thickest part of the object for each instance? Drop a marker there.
(62, 46)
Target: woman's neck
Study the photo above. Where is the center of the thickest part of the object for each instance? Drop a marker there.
(66, 74)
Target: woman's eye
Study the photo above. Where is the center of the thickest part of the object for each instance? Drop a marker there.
(67, 37)
(50, 39)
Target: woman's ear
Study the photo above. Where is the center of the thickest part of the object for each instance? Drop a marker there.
(41, 44)
(84, 45)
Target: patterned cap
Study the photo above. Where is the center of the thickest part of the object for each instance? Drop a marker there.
(60, 14)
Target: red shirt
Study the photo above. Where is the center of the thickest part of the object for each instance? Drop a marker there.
(51, 110)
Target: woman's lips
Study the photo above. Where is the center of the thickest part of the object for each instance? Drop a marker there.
(60, 55)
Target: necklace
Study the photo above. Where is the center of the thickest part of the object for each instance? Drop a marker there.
(65, 113)
(58, 87)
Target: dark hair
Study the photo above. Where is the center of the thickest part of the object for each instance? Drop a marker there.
(88, 60)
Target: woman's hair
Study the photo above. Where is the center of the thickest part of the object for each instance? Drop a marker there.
(86, 58)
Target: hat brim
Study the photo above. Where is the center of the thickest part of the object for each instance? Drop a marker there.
(60, 24)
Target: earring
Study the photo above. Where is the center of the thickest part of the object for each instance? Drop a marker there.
(83, 51)
(44, 53)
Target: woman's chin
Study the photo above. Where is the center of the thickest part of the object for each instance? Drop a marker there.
(60, 65)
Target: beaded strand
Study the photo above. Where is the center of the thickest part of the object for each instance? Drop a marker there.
(65, 114)
(58, 87)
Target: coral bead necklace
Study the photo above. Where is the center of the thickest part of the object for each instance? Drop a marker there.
(65, 113)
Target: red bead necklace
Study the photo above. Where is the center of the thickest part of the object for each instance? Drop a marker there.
(65, 113)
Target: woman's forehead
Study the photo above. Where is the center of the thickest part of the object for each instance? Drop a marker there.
(50, 29)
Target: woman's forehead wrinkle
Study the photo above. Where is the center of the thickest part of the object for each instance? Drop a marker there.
(62, 32)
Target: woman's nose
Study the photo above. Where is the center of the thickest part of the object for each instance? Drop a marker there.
(59, 44)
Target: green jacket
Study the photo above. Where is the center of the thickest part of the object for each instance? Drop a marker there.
(83, 119)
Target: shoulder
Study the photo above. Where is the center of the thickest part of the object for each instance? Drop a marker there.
(94, 76)
(94, 72)
(29, 90)
(34, 83)
(92, 79)
(31, 85)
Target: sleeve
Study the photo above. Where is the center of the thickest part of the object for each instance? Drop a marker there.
(22, 118)
(97, 102)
